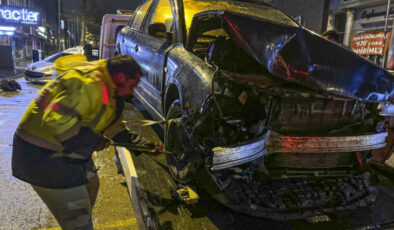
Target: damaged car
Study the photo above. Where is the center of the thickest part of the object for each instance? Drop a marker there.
(282, 120)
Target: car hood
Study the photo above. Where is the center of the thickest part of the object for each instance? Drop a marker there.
(39, 66)
(299, 55)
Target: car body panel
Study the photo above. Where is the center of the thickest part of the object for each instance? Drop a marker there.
(320, 64)
(298, 88)
(143, 54)
(185, 70)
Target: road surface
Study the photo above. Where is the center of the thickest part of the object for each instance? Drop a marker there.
(21, 208)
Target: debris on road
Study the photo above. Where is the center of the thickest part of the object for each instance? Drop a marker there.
(9, 85)
(186, 195)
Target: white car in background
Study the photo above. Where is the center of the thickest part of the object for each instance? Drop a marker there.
(41, 71)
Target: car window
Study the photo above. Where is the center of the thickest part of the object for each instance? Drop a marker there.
(262, 11)
(53, 58)
(163, 14)
(216, 47)
(139, 15)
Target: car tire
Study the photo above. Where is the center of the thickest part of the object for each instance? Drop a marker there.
(182, 166)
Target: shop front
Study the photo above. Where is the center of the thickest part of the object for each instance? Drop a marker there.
(365, 28)
(18, 34)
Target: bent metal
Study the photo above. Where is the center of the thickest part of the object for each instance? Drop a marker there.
(19, 15)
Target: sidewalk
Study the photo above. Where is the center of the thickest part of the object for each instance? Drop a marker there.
(19, 68)
(21, 64)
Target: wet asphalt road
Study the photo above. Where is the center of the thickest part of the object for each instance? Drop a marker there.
(21, 208)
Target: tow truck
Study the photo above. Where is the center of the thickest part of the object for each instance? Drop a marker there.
(110, 26)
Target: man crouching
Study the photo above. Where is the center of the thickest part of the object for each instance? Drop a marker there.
(61, 129)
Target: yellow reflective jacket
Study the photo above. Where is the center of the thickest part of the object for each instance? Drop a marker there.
(82, 95)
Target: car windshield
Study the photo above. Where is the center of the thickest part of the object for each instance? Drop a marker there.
(260, 10)
(55, 56)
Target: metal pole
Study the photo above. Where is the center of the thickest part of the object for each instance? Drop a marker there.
(348, 27)
(385, 33)
(58, 26)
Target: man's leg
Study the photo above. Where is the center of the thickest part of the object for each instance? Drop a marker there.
(71, 207)
(93, 185)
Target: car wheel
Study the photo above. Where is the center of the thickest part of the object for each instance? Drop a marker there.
(182, 165)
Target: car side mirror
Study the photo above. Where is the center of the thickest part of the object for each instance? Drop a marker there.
(158, 30)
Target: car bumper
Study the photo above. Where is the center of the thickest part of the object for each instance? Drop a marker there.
(230, 157)
(37, 77)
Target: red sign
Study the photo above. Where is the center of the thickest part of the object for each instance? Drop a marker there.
(369, 44)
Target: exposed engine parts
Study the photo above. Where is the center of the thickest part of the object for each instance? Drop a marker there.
(283, 134)
(314, 168)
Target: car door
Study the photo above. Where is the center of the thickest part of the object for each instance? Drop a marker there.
(151, 51)
(127, 39)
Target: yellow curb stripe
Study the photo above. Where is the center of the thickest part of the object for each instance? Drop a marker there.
(116, 224)
(107, 225)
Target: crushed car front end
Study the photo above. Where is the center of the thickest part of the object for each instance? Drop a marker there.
(291, 121)
(278, 153)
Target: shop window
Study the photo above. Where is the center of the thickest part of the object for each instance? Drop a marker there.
(339, 25)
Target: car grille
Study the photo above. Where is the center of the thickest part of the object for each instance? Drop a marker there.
(33, 74)
(298, 198)
(325, 114)
(311, 160)
(308, 144)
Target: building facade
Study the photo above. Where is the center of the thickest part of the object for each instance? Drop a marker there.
(363, 26)
(24, 27)
(313, 14)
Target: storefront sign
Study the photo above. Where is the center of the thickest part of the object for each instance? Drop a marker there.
(368, 14)
(369, 43)
(18, 15)
(375, 14)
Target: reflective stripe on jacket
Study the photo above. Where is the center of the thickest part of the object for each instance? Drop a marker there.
(81, 97)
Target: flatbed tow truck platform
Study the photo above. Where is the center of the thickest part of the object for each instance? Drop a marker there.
(151, 189)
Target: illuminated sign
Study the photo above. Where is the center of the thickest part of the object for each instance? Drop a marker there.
(369, 43)
(18, 15)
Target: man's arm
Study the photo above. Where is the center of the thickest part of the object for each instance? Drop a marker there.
(64, 115)
(137, 141)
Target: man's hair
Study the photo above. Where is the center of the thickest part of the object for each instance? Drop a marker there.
(87, 47)
(331, 34)
(123, 64)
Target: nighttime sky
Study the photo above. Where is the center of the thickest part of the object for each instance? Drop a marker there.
(114, 4)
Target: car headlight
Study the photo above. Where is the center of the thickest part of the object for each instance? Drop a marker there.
(47, 70)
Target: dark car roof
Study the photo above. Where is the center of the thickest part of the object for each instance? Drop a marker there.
(262, 11)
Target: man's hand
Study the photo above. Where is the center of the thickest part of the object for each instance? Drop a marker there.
(137, 143)
(104, 143)
(158, 148)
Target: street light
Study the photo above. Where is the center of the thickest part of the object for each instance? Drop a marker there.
(58, 26)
